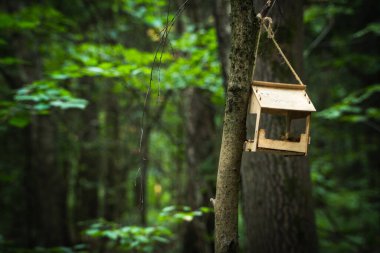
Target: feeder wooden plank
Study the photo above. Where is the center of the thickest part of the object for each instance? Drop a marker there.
(283, 99)
(279, 85)
(280, 152)
(254, 105)
(307, 128)
(300, 146)
(249, 146)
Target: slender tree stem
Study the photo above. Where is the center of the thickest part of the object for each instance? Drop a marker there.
(244, 30)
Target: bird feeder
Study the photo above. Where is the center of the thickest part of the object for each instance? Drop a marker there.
(288, 100)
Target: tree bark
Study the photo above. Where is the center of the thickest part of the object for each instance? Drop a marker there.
(277, 200)
(244, 30)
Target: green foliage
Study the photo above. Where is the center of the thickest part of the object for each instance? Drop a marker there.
(35, 18)
(343, 211)
(350, 110)
(174, 214)
(194, 63)
(144, 239)
(370, 28)
(317, 16)
(106, 61)
(38, 98)
(65, 56)
(150, 12)
(42, 96)
(130, 238)
(199, 65)
(342, 66)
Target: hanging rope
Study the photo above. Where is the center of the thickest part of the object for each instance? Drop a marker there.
(266, 22)
(257, 47)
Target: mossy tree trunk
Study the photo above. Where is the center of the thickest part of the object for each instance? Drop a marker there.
(244, 30)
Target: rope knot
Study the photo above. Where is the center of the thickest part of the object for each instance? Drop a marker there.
(268, 20)
(267, 23)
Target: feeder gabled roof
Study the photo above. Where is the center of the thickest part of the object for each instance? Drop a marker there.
(282, 96)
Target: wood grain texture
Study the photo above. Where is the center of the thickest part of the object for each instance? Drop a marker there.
(283, 98)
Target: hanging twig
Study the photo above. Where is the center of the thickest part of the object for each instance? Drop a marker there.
(159, 50)
(160, 47)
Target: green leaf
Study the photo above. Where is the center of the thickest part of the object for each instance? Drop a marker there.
(168, 209)
(160, 239)
(111, 234)
(60, 76)
(41, 107)
(370, 28)
(19, 121)
(95, 70)
(93, 232)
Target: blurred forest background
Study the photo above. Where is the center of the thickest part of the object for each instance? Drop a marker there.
(75, 174)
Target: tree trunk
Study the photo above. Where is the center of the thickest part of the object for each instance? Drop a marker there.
(277, 200)
(198, 118)
(115, 176)
(223, 31)
(86, 203)
(45, 182)
(47, 213)
(200, 131)
(244, 30)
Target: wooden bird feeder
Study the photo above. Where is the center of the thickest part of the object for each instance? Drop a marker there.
(285, 100)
